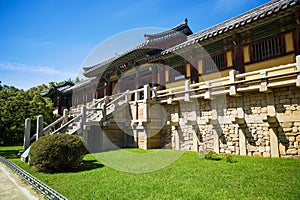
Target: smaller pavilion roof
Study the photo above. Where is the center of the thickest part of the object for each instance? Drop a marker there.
(57, 90)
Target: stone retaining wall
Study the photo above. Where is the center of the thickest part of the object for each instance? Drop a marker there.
(252, 123)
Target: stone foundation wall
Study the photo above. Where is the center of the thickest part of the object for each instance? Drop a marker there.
(252, 123)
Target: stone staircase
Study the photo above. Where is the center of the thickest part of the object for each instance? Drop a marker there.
(115, 115)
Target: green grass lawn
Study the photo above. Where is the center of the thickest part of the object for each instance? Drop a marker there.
(189, 177)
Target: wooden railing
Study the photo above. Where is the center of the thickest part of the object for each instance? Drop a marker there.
(261, 80)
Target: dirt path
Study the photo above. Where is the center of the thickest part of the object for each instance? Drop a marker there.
(12, 187)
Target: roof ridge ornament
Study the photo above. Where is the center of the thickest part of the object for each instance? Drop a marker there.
(182, 28)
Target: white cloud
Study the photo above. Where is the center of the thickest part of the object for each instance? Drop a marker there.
(26, 76)
(9, 66)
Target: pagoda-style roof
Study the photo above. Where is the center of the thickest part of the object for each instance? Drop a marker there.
(81, 84)
(144, 48)
(57, 90)
(180, 29)
(242, 20)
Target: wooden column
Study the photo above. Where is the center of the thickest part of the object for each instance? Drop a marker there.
(297, 34)
(154, 74)
(137, 77)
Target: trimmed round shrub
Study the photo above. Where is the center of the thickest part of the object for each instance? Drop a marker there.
(57, 153)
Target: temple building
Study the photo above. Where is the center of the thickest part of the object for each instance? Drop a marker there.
(261, 38)
(232, 88)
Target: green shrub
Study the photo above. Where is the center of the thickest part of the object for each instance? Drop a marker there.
(228, 158)
(56, 153)
(211, 155)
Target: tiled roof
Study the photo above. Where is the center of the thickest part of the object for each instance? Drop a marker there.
(181, 28)
(109, 61)
(81, 84)
(246, 18)
(236, 22)
(58, 89)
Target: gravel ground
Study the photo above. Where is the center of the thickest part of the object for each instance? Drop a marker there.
(12, 187)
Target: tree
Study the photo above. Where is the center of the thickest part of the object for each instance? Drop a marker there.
(15, 106)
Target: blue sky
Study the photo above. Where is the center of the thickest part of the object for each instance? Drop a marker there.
(43, 41)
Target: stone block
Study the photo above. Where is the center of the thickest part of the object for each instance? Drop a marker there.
(234, 135)
(296, 123)
(287, 124)
(252, 148)
(257, 154)
(265, 128)
(298, 138)
(287, 129)
(291, 139)
(231, 131)
(264, 110)
(186, 138)
(261, 149)
(231, 148)
(295, 129)
(292, 108)
(268, 149)
(296, 113)
(227, 151)
(292, 152)
(266, 154)
(282, 149)
(290, 134)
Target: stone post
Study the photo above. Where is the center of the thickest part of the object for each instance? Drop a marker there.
(274, 143)
(136, 96)
(103, 107)
(207, 94)
(146, 102)
(232, 89)
(272, 121)
(135, 137)
(186, 89)
(39, 126)
(65, 114)
(298, 68)
(216, 141)
(175, 138)
(240, 121)
(242, 142)
(83, 116)
(146, 93)
(271, 105)
(27, 134)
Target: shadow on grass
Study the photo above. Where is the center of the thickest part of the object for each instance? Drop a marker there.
(88, 165)
(9, 154)
(215, 159)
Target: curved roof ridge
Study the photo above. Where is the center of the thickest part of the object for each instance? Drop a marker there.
(247, 15)
(235, 22)
(182, 27)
